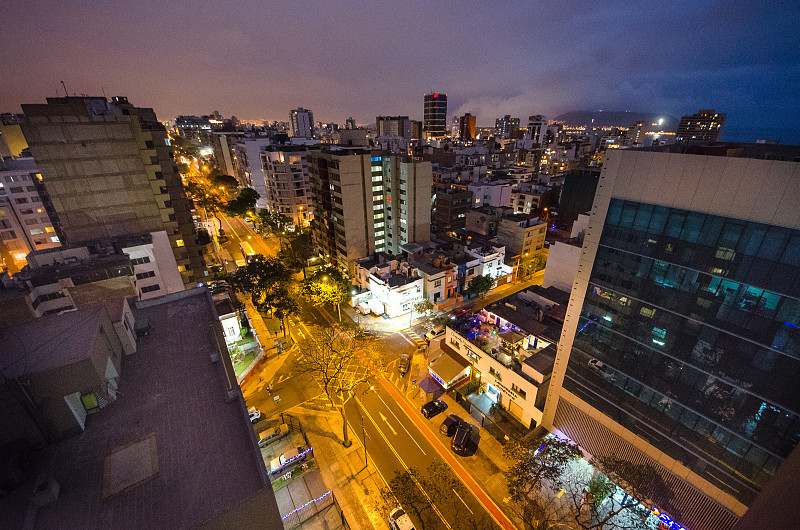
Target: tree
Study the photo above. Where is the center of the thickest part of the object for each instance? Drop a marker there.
(227, 181)
(245, 202)
(263, 278)
(275, 221)
(535, 469)
(423, 306)
(595, 508)
(539, 471)
(426, 494)
(298, 250)
(327, 285)
(339, 358)
(480, 285)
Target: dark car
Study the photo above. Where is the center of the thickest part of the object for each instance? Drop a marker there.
(449, 425)
(432, 408)
(405, 364)
(461, 438)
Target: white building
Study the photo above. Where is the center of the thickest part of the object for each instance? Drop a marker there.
(491, 193)
(25, 225)
(385, 280)
(248, 166)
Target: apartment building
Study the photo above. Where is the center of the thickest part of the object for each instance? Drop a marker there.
(288, 188)
(108, 169)
(366, 202)
(25, 225)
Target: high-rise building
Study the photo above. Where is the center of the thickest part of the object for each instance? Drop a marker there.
(25, 225)
(704, 126)
(537, 128)
(249, 171)
(506, 126)
(350, 123)
(368, 201)
(12, 141)
(393, 126)
(288, 191)
(681, 342)
(435, 115)
(302, 121)
(466, 126)
(108, 169)
(416, 130)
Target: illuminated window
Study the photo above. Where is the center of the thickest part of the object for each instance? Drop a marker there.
(179, 242)
(55, 239)
(182, 268)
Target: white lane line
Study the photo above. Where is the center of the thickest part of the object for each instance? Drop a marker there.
(462, 500)
(401, 423)
(402, 462)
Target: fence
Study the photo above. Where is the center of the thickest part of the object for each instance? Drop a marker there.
(323, 507)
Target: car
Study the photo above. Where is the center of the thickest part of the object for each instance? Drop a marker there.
(435, 333)
(432, 408)
(405, 364)
(254, 413)
(461, 438)
(399, 520)
(449, 425)
(273, 435)
(601, 369)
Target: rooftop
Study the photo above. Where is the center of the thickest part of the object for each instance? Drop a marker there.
(174, 451)
(49, 342)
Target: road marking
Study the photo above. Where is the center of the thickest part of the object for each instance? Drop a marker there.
(401, 423)
(402, 462)
(462, 500)
(407, 339)
(385, 419)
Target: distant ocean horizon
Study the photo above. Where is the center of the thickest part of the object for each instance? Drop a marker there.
(754, 134)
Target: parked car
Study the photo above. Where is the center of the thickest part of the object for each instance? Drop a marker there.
(399, 520)
(254, 413)
(449, 425)
(289, 457)
(432, 408)
(273, 435)
(435, 333)
(461, 438)
(601, 369)
(405, 364)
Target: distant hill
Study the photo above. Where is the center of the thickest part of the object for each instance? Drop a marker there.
(617, 118)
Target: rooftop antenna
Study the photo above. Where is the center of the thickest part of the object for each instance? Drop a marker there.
(65, 88)
(104, 91)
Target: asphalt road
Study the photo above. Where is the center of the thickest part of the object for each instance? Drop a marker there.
(394, 443)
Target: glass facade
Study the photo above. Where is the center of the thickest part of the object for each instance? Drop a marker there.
(689, 338)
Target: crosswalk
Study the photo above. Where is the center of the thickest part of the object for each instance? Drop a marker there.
(414, 336)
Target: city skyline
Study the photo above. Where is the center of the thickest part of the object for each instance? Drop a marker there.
(516, 61)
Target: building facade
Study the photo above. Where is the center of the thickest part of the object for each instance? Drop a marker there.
(704, 126)
(108, 169)
(680, 344)
(25, 225)
(302, 121)
(367, 201)
(435, 116)
(506, 127)
(249, 169)
(288, 189)
(393, 126)
(466, 126)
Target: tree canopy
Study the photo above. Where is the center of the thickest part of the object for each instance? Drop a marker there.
(327, 285)
(264, 279)
(245, 202)
(480, 285)
(298, 249)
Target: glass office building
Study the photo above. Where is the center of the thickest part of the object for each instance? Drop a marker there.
(686, 336)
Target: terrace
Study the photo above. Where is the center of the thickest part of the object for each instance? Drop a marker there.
(520, 352)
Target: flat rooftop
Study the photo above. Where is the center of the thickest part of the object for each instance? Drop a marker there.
(174, 451)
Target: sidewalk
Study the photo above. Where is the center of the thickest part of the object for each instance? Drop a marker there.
(355, 485)
(268, 348)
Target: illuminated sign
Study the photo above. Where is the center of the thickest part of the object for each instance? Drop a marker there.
(667, 520)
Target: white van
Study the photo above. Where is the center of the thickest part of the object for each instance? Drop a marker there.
(435, 333)
(399, 520)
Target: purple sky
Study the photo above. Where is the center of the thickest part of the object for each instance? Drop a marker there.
(258, 59)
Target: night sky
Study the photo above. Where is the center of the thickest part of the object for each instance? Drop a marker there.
(258, 59)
